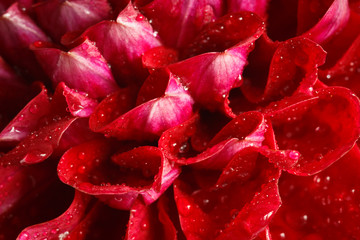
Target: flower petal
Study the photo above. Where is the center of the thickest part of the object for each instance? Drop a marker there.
(18, 31)
(87, 167)
(123, 42)
(210, 76)
(82, 68)
(322, 128)
(59, 17)
(187, 17)
(148, 120)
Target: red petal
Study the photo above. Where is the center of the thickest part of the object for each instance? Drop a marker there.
(148, 120)
(82, 68)
(187, 17)
(293, 68)
(235, 208)
(87, 167)
(59, 17)
(322, 128)
(61, 226)
(123, 42)
(18, 31)
(27, 120)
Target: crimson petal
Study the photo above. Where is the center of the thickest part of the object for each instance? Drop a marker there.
(322, 127)
(27, 120)
(59, 17)
(188, 17)
(334, 20)
(246, 130)
(19, 31)
(82, 68)
(87, 167)
(238, 208)
(293, 68)
(210, 76)
(123, 42)
(61, 226)
(148, 120)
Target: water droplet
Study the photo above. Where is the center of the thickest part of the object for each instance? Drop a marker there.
(139, 17)
(184, 207)
(81, 169)
(34, 109)
(295, 155)
(81, 155)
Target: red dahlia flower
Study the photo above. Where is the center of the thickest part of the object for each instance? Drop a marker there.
(162, 119)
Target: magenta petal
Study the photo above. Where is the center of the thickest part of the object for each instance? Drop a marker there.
(59, 17)
(18, 181)
(27, 119)
(143, 222)
(332, 22)
(19, 31)
(79, 104)
(210, 76)
(61, 226)
(294, 67)
(39, 145)
(246, 130)
(257, 6)
(346, 71)
(236, 209)
(88, 168)
(82, 68)
(150, 119)
(123, 42)
(322, 128)
(187, 17)
(327, 199)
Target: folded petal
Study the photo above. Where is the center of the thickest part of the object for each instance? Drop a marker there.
(142, 172)
(122, 43)
(293, 67)
(334, 20)
(259, 6)
(18, 31)
(61, 226)
(148, 120)
(59, 17)
(82, 68)
(238, 209)
(246, 130)
(329, 206)
(210, 76)
(27, 120)
(187, 16)
(322, 127)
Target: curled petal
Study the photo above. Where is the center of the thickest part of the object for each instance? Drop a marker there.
(327, 197)
(59, 17)
(18, 31)
(246, 130)
(79, 104)
(122, 43)
(293, 68)
(27, 120)
(61, 226)
(334, 20)
(39, 145)
(322, 128)
(237, 208)
(82, 68)
(150, 119)
(210, 76)
(139, 172)
(187, 16)
(346, 71)
(259, 6)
